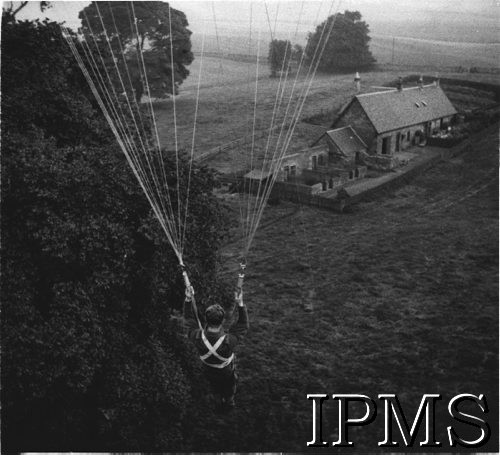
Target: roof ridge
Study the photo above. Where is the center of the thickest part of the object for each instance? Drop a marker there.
(394, 89)
(337, 129)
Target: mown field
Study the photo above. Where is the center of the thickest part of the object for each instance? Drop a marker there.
(404, 292)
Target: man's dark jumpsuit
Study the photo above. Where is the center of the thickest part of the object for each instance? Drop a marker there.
(216, 350)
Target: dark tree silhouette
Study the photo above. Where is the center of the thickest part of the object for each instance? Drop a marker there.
(280, 52)
(346, 48)
(151, 38)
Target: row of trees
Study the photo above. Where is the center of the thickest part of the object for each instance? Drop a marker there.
(91, 356)
(346, 48)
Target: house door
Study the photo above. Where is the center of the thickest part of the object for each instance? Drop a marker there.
(386, 145)
(287, 173)
(398, 142)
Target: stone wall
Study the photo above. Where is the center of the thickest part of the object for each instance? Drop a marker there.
(356, 117)
(379, 162)
(302, 160)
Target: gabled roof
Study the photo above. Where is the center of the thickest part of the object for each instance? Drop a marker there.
(392, 110)
(346, 139)
(258, 174)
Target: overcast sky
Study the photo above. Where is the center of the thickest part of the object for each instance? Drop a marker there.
(282, 16)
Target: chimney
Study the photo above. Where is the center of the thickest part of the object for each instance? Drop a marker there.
(357, 81)
(399, 84)
(421, 82)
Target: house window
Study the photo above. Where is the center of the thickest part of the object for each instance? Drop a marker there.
(351, 175)
(408, 136)
(314, 162)
(356, 173)
(323, 186)
(321, 160)
(293, 171)
(287, 172)
(330, 183)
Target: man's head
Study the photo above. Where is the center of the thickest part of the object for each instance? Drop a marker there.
(214, 315)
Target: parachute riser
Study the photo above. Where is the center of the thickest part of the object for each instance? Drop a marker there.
(241, 277)
(190, 293)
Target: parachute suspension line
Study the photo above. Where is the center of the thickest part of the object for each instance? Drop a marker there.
(241, 195)
(193, 139)
(132, 116)
(283, 123)
(248, 231)
(295, 80)
(300, 106)
(276, 17)
(119, 118)
(179, 208)
(169, 216)
(269, 22)
(270, 133)
(129, 138)
(253, 208)
(311, 79)
(295, 115)
(175, 234)
(277, 106)
(110, 121)
(119, 121)
(142, 133)
(217, 38)
(295, 120)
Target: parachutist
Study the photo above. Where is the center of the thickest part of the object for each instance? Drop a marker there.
(216, 347)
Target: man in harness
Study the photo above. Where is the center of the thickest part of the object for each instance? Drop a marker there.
(215, 346)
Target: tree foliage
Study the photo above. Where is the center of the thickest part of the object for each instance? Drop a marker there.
(91, 357)
(42, 85)
(280, 53)
(346, 48)
(152, 38)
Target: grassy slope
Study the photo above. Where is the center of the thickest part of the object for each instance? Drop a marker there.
(405, 301)
(405, 289)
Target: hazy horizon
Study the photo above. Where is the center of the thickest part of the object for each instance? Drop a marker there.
(445, 20)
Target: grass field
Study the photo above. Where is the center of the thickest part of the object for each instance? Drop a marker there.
(404, 293)
(226, 101)
(420, 51)
(424, 52)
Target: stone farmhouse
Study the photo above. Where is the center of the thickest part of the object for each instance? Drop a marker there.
(372, 131)
(392, 120)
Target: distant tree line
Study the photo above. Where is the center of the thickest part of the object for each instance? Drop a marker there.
(341, 43)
